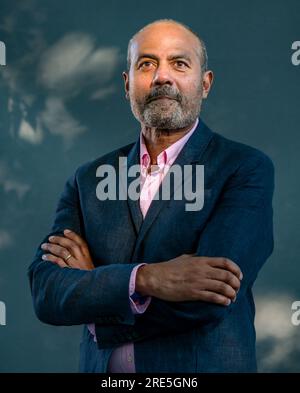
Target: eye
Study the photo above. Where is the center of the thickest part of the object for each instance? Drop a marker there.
(145, 65)
(180, 64)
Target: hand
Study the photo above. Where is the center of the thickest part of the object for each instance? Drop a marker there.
(61, 247)
(188, 277)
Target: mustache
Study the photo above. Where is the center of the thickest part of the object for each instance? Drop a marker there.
(164, 91)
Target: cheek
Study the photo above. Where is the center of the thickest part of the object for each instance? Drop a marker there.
(139, 87)
(192, 87)
(142, 80)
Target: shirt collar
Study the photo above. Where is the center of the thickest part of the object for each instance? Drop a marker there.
(167, 156)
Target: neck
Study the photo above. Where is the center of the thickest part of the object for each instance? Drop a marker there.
(158, 140)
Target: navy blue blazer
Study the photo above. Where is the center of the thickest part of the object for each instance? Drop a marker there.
(191, 336)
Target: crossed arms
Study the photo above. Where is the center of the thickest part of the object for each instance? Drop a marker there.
(196, 289)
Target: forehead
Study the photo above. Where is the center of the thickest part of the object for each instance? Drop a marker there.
(164, 38)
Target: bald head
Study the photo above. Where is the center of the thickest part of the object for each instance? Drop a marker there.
(164, 26)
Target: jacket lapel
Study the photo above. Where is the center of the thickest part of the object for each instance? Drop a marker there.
(134, 205)
(191, 153)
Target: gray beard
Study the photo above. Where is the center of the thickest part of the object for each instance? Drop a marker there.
(165, 115)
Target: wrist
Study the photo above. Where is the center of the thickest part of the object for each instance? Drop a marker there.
(144, 281)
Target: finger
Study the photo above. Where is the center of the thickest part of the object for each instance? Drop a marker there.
(56, 250)
(225, 276)
(216, 298)
(52, 258)
(76, 238)
(227, 264)
(69, 244)
(221, 288)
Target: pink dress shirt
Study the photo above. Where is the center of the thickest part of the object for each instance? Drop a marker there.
(122, 358)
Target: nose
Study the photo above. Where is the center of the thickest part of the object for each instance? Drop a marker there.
(162, 76)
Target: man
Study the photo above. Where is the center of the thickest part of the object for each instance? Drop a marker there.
(160, 287)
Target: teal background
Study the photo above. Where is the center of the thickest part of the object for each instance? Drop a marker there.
(62, 103)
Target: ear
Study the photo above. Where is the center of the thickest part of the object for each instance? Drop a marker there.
(207, 81)
(126, 83)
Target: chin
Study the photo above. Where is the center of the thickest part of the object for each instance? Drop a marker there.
(162, 121)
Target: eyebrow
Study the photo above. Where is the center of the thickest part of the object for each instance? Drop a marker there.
(172, 57)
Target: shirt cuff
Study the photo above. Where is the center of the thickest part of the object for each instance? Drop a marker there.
(91, 327)
(138, 303)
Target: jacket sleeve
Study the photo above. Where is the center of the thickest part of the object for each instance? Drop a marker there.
(241, 229)
(66, 296)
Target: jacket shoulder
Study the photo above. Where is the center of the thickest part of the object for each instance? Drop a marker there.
(110, 158)
(238, 153)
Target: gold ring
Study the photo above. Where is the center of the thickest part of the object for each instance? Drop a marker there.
(68, 257)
